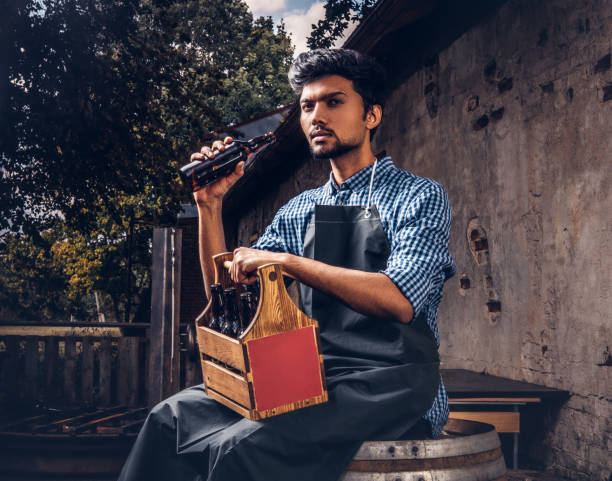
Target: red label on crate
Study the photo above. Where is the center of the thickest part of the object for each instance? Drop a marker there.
(285, 368)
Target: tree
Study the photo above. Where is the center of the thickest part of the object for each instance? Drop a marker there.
(260, 82)
(338, 15)
(102, 101)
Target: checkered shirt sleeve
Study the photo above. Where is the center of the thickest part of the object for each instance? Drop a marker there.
(286, 231)
(419, 248)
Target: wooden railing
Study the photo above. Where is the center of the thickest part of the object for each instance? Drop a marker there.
(68, 364)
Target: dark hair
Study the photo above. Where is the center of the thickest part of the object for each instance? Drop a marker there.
(368, 77)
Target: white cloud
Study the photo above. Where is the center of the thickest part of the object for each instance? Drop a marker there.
(299, 24)
(266, 7)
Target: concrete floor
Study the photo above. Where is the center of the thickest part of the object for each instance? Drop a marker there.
(527, 475)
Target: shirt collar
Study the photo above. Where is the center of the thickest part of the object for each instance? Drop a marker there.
(361, 179)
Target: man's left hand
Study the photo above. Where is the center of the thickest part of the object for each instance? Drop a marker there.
(246, 261)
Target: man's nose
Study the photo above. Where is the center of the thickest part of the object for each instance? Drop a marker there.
(319, 116)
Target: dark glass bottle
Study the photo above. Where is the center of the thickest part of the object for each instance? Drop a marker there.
(253, 289)
(247, 312)
(217, 315)
(231, 310)
(199, 173)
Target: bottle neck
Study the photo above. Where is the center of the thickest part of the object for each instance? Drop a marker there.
(217, 302)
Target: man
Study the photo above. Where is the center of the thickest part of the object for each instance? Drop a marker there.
(370, 251)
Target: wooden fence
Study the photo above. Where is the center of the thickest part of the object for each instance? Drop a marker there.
(70, 364)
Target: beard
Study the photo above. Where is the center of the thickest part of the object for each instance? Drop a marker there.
(333, 151)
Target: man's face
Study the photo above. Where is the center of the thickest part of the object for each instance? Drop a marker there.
(332, 116)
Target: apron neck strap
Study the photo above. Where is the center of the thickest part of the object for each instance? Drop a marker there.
(368, 212)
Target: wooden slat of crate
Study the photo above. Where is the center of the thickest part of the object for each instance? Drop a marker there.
(266, 413)
(223, 348)
(229, 384)
(87, 371)
(228, 402)
(504, 422)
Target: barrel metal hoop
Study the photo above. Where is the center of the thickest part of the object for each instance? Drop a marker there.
(446, 462)
(428, 448)
(483, 472)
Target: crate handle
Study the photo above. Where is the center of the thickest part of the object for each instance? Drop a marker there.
(228, 265)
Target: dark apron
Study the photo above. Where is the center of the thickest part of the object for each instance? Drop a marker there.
(382, 377)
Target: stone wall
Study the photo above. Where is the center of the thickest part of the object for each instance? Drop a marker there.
(515, 119)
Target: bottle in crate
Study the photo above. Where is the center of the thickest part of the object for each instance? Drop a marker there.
(217, 309)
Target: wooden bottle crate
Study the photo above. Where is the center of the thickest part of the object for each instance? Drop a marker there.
(276, 365)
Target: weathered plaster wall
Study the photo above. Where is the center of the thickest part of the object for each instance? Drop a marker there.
(515, 120)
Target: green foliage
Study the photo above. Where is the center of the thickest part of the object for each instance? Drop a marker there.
(260, 82)
(105, 99)
(338, 15)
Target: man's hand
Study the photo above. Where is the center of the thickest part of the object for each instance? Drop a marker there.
(216, 190)
(246, 261)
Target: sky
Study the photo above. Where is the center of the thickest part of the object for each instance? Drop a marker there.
(298, 15)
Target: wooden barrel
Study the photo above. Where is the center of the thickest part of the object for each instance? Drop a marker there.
(465, 451)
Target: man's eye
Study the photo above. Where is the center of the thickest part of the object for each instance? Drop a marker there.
(306, 106)
(333, 102)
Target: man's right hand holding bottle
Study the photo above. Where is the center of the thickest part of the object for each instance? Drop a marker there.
(215, 191)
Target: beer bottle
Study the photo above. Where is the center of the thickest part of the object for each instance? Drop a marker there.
(199, 173)
(247, 312)
(217, 314)
(253, 289)
(231, 310)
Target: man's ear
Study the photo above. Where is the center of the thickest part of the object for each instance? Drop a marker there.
(374, 117)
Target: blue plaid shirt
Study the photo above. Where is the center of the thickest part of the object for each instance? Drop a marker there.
(415, 215)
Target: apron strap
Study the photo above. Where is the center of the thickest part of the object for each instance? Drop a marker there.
(368, 212)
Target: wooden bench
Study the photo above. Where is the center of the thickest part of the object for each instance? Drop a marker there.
(494, 400)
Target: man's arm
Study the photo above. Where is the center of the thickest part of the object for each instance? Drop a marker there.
(419, 257)
(211, 239)
(370, 293)
(209, 200)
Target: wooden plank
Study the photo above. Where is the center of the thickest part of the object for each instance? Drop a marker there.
(223, 348)
(57, 424)
(70, 387)
(464, 383)
(134, 369)
(10, 372)
(104, 398)
(504, 422)
(87, 372)
(225, 382)
(193, 373)
(143, 371)
(228, 402)
(31, 369)
(493, 400)
(113, 417)
(124, 371)
(69, 330)
(128, 371)
(52, 362)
